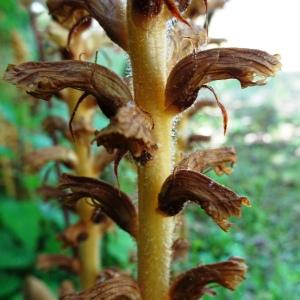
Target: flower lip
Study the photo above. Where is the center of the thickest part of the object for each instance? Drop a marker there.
(249, 66)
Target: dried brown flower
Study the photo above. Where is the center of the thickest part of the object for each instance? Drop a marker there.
(193, 284)
(112, 201)
(37, 159)
(196, 138)
(102, 160)
(67, 13)
(129, 130)
(47, 262)
(184, 41)
(119, 286)
(50, 192)
(250, 67)
(44, 79)
(151, 8)
(147, 8)
(54, 124)
(197, 7)
(220, 159)
(180, 249)
(216, 4)
(175, 11)
(74, 234)
(219, 202)
(182, 4)
(111, 15)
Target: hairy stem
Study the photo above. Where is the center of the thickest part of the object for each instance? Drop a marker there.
(147, 44)
(89, 250)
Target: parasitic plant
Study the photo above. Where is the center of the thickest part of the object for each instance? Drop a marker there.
(166, 79)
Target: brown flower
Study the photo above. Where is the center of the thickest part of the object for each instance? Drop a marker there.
(193, 284)
(220, 159)
(129, 130)
(54, 124)
(250, 67)
(47, 262)
(198, 7)
(44, 79)
(111, 15)
(180, 249)
(37, 159)
(119, 286)
(151, 8)
(219, 202)
(74, 234)
(111, 200)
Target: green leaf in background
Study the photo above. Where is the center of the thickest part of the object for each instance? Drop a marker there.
(13, 255)
(31, 182)
(117, 249)
(115, 61)
(22, 219)
(9, 283)
(6, 152)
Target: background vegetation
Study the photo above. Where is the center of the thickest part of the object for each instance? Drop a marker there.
(264, 128)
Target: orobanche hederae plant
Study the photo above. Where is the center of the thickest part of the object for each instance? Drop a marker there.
(169, 67)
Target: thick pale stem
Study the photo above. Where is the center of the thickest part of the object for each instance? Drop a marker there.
(147, 44)
(89, 250)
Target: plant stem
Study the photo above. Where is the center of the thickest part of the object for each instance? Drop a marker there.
(89, 250)
(147, 45)
(8, 178)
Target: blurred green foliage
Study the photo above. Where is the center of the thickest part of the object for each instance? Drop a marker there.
(265, 129)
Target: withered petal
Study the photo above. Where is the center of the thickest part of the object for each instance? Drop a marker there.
(55, 124)
(44, 79)
(113, 202)
(74, 234)
(130, 129)
(67, 12)
(215, 4)
(219, 202)
(199, 105)
(250, 67)
(120, 286)
(37, 159)
(102, 160)
(198, 7)
(193, 284)
(47, 262)
(196, 138)
(50, 192)
(151, 8)
(147, 8)
(203, 160)
(221, 106)
(180, 249)
(185, 40)
(176, 11)
(182, 4)
(80, 25)
(111, 15)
